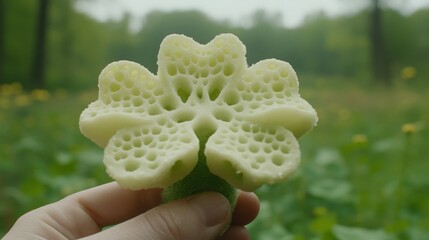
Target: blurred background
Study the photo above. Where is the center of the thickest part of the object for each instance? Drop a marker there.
(363, 64)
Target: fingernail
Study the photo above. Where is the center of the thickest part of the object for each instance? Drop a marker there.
(213, 206)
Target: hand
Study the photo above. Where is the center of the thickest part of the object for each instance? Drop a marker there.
(137, 215)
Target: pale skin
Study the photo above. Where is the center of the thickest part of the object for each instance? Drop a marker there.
(137, 215)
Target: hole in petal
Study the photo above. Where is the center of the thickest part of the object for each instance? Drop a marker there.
(137, 143)
(181, 69)
(154, 110)
(220, 57)
(272, 65)
(204, 73)
(204, 129)
(200, 93)
(185, 139)
(215, 70)
(283, 73)
(228, 70)
(117, 143)
(241, 149)
(222, 114)
(138, 153)
(114, 87)
(192, 70)
(119, 76)
(184, 116)
(158, 92)
(168, 103)
(171, 70)
(242, 139)
(255, 165)
(259, 137)
(256, 87)
(212, 62)
(136, 92)
(186, 61)
(126, 137)
(268, 149)
(215, 88)
(239, 108)
(163, 138)
(285, 149)
(116, 97)
(156, 130)
(214, 93)
(137, 102)
(231, 98)
(277, 159)
(280, 137)
(117, 157)
(131, 165)
(278, 87)
(153, 165)
(254, 148)
(260, 159)
(183, 88)
(246, 127)
(151, 156)
(147, 140)
(128, 83)
(126, 146)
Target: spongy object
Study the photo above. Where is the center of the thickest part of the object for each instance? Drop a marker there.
(151, 125)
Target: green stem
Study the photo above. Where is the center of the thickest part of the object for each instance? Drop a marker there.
(403, 168)
(200, 179)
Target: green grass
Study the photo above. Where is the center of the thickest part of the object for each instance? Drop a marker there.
(363, 173)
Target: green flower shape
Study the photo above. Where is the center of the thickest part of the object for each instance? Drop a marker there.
(205, 105)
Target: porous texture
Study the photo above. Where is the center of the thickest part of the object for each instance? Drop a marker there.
(151, 126)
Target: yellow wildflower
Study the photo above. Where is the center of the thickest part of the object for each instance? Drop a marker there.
(10, 89)
(409, 128)
(359, 139)
(320, 211)
(40, 94)
(344, 114)
(22, 100)
(408, 73)
(4, 103)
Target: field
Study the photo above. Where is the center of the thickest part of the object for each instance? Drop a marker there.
(364, 171)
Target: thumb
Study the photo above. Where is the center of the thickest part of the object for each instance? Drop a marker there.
(202, 216)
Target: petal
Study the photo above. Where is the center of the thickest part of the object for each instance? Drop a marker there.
(198, 73)
(248, 155)
(129, 95)
(99, 122)
(268, 95)
(151, 156)
(150, 125)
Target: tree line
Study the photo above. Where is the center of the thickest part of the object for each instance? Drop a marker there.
(49, 44)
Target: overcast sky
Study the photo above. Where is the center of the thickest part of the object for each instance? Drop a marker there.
(235, 11)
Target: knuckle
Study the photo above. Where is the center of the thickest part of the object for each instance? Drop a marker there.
(166, 225)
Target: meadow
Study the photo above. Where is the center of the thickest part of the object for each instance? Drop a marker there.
(363, 175)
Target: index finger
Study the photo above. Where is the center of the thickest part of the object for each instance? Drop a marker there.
(109, 204)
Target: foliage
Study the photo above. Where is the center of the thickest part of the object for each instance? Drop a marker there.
(364, 168)
(18, 40)
(43, 156)
(362, 176)
(334, 48)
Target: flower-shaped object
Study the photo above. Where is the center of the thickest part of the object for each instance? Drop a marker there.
(205, 103)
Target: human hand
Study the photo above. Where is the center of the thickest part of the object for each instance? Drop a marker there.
(137, 215)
